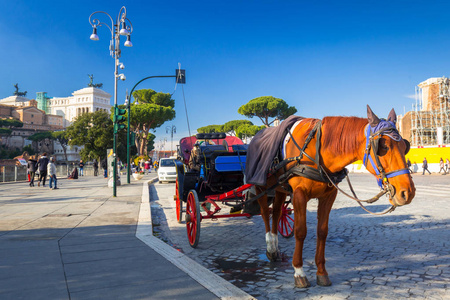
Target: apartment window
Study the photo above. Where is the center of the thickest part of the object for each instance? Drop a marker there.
(32, 117)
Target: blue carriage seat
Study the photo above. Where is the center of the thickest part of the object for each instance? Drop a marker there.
(230, 163)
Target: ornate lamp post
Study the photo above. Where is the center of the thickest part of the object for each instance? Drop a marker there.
(172, 130)
(162, 145)
(127, 104)
(123, 27)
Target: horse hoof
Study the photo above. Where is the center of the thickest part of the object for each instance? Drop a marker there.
(273, 256)
(301, 282)
(323, 280)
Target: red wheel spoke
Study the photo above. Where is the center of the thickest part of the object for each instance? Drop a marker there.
(286, 222)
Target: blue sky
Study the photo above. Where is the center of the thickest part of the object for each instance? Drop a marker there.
(325, 58)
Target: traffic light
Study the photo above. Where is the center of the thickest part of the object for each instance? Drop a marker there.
(119, 118)
(180, 76)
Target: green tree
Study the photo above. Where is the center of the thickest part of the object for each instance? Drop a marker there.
(266, 107)
(246, 131)
(231, 126)
(210, 129)
(151, 142)
(29, 149)
(63, 140)
(6, 126)
(5, 131)
(153, 110)
(10, 123)
(94, 131)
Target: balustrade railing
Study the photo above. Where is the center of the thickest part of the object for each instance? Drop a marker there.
(19, 173)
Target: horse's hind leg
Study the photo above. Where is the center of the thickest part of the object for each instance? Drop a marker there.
(276, 210)
(271, 239)
(323, 214)
(299, 202)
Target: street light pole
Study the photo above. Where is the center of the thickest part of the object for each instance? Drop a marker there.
(127, 103)
(180, 77)
(114, 50)
(172, 130)
(162, 145)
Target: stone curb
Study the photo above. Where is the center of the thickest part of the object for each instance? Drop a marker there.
(214, 283)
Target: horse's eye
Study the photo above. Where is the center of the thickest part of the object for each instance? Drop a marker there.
(382, 147)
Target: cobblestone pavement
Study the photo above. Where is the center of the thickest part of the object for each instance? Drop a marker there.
(404, 254)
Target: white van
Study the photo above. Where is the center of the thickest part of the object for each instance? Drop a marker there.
(167, 170)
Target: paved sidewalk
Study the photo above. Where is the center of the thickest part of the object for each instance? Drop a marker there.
(79, 242)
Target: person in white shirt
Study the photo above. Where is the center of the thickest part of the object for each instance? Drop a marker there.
(51, 170)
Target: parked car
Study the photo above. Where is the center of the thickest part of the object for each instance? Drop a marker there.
(167, 170)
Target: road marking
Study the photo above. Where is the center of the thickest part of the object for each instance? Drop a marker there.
(211, 281)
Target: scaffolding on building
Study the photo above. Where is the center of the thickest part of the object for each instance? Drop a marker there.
(42, 100)
(431, 125)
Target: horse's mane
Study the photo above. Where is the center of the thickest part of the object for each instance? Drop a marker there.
(340, 134)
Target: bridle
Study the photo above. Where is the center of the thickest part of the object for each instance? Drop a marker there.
(372, 142)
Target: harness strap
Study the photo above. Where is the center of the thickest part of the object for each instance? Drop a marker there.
(309, 172)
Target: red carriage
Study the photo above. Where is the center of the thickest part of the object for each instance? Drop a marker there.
(210, 175)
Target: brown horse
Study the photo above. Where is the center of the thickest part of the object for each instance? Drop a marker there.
(343, 141)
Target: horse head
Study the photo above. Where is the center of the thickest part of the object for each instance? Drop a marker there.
(384, 157)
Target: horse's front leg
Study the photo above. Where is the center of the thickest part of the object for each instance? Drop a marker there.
(299, 201)
(323, 214)
(271, 239)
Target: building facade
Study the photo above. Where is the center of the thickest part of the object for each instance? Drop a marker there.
(51, 114)
(88, 99)
(34, 120)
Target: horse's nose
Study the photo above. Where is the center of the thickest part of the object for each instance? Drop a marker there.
(405, 197)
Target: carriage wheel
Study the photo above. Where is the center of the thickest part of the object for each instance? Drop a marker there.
(193, 218)
(179, 203)
(286, 222)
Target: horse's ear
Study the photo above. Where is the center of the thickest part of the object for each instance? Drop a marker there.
(373, 119)
(392, 116)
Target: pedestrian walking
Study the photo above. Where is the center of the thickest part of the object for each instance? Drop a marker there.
(147, 166)
(447, 165)
(81, 165)
(142, 165)
(104, 165)
(31, 168)
(442, 166)
(408, 164)
(42, 165)
(51, 170)
(95, 167)
(425, 166)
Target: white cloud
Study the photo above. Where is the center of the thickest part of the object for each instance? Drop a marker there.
(410, 97)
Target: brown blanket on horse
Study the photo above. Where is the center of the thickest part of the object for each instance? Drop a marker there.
(262, 150)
